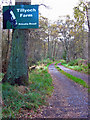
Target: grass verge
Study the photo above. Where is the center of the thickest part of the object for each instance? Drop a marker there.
(79, 68)
(20, 101)
(79, 64)
(75, 79)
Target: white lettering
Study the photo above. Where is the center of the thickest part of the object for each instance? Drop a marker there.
(32, 23)
(18, 10)
(30, 15)
(26, 10)
(34, 10)
(21, 15)
(22, 23)
(26, 15)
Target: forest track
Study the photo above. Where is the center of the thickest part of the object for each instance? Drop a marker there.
(69, 99)
(82, 76)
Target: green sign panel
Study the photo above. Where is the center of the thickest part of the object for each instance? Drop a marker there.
(20, 17)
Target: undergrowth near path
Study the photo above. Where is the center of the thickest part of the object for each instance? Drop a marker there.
(79, 65)
(75, 79)
(20, 101)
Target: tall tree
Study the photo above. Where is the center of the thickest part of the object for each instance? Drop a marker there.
(81, 13)
(17, 72)
(81, 18)
(64, 29)
(54, 38)
(44, 34)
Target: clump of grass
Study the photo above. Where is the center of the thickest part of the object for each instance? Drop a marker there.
(77, 80)
(63, 61)
(17, 99)
(41, 81)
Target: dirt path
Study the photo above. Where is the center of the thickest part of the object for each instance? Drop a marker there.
(69, 100)
(75, 73)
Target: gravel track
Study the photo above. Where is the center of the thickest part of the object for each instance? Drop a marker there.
(69, 100)
(83, 76)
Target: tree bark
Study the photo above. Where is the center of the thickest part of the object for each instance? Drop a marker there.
(44, 51)
(52, 49)
(48, 46)
(17, 71)
(4, 66)
(54, 52)
(0, 45)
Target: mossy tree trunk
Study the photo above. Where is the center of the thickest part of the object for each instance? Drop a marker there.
(17, 71)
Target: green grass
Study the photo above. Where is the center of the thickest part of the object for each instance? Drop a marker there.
(41, 81)
(1, 76)
(75, 79)
(78, 65)
(81, 68)
(17, 99)
(44, 61)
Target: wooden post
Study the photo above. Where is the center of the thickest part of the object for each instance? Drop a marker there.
(17, 72)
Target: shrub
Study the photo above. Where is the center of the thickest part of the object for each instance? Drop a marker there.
(63, 61)
(78, 61)
(89, 65)
(73, 62)
(45, 61)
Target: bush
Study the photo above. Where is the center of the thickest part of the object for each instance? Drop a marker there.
(73, 62)
(64, 55)
(82, 62)
(63, 61)
(79, 65)
(78, 61)
(45, 61)
(89, 65)
(78, 68)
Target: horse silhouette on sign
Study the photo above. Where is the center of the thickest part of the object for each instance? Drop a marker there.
(9, 15)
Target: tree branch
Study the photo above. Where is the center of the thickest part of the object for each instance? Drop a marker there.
(44, 6)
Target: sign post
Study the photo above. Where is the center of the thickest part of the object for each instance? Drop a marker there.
(17, 72)
(20, 17)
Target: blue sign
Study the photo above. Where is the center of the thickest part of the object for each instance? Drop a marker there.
(20, 17)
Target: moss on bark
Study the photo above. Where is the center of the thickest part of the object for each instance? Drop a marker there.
(17, 72)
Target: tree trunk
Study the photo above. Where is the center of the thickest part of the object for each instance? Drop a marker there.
(44, 51)
(54, 52)
(56, 56)
(17, 72)
(88, 47)
(0, 46)
(48, 47)
(5, 63)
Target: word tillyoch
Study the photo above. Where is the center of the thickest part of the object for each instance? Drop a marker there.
(26, 12)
